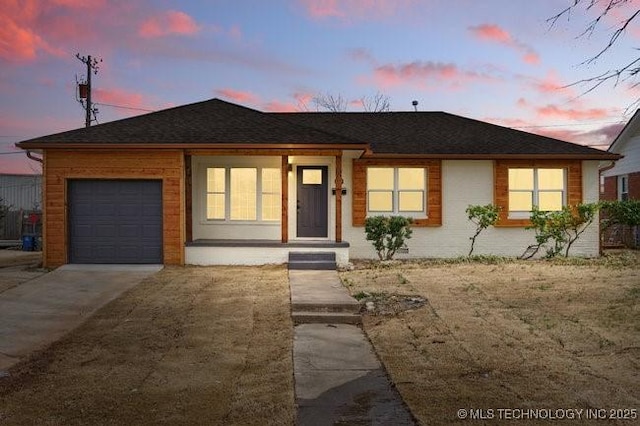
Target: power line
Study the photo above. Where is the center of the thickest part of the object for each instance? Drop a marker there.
(125, 107)
(569, 125)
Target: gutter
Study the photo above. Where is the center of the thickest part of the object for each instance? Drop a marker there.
(38, 159)
(608, 167)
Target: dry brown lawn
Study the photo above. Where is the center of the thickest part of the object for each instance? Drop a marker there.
(530, 335)
(187, 346)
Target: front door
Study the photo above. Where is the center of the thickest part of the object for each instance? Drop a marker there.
(312, 202)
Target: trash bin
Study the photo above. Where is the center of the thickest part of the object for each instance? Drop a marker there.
(27, 243)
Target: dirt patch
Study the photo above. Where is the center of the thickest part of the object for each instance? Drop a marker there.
(509, 334)
(187, 346)
(388, 304)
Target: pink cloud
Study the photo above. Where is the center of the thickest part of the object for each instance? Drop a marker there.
(238, 96)
(424, 75)
(551, 84)
(80, 4)
(303, 99)
(120, 97)
(493, 33)
(531, 58)
(571, 113)
(19, 42)
(168, 23)
(354, 9)
(278, 106)
(599, 137)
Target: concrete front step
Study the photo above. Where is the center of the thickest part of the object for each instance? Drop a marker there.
(310, 265)
(321, 261)
(305, 317)
(347, 307)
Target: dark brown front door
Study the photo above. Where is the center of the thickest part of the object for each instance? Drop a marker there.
(312, 202)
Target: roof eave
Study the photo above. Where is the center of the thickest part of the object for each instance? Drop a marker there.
(603, 156)
(213, 146)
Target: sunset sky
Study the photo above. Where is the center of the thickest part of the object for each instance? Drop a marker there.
(493, 60)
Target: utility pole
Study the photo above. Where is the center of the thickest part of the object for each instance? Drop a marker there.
(85, 92)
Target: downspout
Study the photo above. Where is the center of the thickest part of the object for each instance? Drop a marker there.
(30, 155)
(609, 167)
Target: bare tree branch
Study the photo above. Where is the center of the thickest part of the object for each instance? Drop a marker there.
(376, 103)
(329, 102)
(615, 75)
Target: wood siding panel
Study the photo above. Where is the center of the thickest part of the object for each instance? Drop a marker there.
(501, 179)
(434, 188)
(61, 165)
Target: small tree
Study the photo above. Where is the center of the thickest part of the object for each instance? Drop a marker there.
(483, 217)
(387, 234)
(625, 213)
(621, 212)
(558, 230)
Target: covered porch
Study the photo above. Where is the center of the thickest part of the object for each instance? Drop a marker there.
(256, 207)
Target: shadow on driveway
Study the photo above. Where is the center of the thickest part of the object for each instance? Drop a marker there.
(38, 312)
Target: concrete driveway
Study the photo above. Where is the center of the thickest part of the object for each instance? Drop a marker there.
(40, 311)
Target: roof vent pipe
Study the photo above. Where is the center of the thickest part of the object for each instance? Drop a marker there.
(415, 105)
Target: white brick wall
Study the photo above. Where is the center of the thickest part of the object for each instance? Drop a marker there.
(466, 182)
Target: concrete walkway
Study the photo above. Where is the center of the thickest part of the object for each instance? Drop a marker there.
(338, 378)
(42, 310)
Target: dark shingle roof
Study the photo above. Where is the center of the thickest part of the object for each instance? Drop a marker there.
(409, 133)
(209, 122)
(437, 133)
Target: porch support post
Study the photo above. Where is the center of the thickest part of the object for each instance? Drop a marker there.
(339, 198)
(188, 201)
(284, 215)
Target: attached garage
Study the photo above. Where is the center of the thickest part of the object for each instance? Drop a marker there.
(115, 221)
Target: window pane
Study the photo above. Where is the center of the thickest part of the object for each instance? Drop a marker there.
(409, 178)
(215, 179)
(381, 201)
(521, 179)
(271, 206)
(215, 206)
(311, 177)
(380, 178)
(243, 194)
(550, 200)
(550, 179)
(410, 201)
(520, 201)
(271, 180)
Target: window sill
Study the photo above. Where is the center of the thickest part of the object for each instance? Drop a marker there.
(238, 222)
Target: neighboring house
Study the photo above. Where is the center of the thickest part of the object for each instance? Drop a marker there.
(22, 196)
(218, 183)
(621, 180)
(21, 192)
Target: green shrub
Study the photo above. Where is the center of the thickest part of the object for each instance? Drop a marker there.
(483, 217)
(558, 230)
(620, 212)
(387, 234)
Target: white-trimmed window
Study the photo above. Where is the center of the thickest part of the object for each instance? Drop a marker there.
(623, 188)
(243, 194)
(271, 200)
(542, 187)
(216, 194)
(397, 190)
